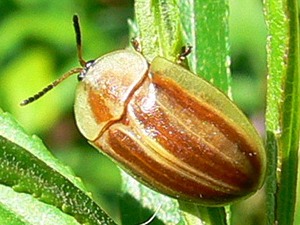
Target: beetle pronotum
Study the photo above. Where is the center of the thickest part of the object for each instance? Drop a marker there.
(172, 130)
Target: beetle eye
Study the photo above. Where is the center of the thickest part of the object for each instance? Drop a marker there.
(89, 64)
(85, 69)
(81, 75)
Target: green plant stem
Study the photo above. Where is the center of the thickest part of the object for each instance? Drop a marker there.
(282, 117)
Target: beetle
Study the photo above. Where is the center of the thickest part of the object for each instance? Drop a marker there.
(170, 129)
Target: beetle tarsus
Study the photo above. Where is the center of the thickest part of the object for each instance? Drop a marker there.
(136, 44)
(185, 51)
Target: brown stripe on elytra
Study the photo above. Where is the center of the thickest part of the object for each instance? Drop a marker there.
(100, 109)
(188, 147)
(193, 151)
(207, 113)
(132, 154)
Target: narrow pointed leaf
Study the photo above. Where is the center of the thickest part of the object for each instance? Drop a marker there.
(28, 167)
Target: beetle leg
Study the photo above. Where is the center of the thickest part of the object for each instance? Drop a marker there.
(185, 51)
(136, 44)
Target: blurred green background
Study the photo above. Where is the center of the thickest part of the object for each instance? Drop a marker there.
(37, 45)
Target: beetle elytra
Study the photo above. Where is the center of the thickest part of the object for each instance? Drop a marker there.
(172, 130)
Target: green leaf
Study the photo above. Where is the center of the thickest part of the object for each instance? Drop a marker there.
(28, 168)
(20, 208)
(8, 217)
(159, 28)
(282, 116)
(205, 26)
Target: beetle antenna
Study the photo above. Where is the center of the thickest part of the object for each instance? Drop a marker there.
(78, 40)
(50, 86)
(66, 75)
